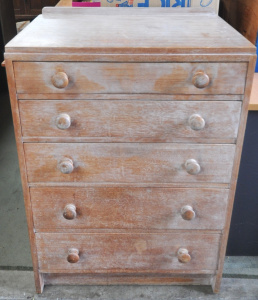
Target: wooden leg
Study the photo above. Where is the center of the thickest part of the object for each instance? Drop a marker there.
(216, 282)
(39, 282)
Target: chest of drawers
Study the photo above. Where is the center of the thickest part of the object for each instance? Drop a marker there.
(129, 127)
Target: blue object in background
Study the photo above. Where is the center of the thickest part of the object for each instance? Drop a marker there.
(145, 4)
(124, 4)
(181, 3)
(205, 4)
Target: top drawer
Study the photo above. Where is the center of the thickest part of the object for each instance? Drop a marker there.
(132, 78)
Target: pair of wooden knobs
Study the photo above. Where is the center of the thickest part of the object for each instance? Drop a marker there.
(183, 255)
(187, 212)
(196, 122)
(200, 80)
(66, 166)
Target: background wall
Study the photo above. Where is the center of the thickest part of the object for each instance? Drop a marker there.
(243, 236)
(242, 15)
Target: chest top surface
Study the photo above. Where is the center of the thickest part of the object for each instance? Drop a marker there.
(123, 30)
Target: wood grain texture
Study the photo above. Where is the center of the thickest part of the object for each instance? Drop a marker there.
(130, 57)
(137, 184)
(132, 78)
(64, 3)
(129, 162)
(129, 31)
(125, 279)
(242, 15)
(137, 121)
(39, 281)
(131, 97)
(60, 13)
(29, 9)
(120, 140)
(253, 104)
(126, 252)
(127, 198)
(122, 231)
(128, 208)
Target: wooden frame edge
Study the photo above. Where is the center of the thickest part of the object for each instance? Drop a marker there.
(39, 279)
(122, 279)
(241, 133)
(129, 57)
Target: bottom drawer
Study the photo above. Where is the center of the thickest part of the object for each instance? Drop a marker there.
(127, 252)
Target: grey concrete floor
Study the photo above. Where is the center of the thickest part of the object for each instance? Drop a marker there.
(20, 285)
(240, 273)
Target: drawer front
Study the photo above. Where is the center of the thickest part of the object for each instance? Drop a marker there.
(160, 163)
(132, 78)
(131, 121)
(126, 252)
(128, 208)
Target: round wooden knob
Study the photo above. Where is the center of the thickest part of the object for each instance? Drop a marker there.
(60, 80)
(63, 121)
(196, 122)
(201, 80)
(183, 255)
(192, 167)
(66, 166)
(73, 256)
(187, 213)
(70, 212)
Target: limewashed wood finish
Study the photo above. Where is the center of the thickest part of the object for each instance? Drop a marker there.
(129, 138)
(131, 121)
(129, 163)
(126, 252)
(130, 78)
(129, 32)
(128, 208)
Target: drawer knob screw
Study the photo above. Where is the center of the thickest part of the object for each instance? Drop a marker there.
(201, 80)
(187, 213)
(66, 166)
(192, 167)
(60, 80)
(73, 256)
(63, 121)
(183, 255)
(196, 122)
(69, 212)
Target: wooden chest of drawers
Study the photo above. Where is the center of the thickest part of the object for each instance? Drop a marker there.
(129, 133)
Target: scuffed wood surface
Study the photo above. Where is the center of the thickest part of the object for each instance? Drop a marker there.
(127, 252)
(121, 278)
(235, 171)
(138, 184)
(128, 208)
(131, 121)
(128, 204)
(132, 97)
(151, 163)
(129, 57)
(75, 12)
(137, 30)
(132, 78)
